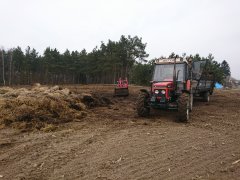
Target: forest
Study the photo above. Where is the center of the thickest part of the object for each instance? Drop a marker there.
(126, 57)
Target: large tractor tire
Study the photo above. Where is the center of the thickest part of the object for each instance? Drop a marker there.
(183, 107)
(142, 105)
(206, 97)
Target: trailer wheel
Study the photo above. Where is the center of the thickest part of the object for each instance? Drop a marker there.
(183, 107)
(206, 97)
(142, 106)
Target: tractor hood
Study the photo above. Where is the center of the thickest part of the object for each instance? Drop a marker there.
(163, 84)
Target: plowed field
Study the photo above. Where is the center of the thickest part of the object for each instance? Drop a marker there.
(112, 142)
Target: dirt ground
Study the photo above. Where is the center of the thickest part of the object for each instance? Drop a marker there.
(112, 142)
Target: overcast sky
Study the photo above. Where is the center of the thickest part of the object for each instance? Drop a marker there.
(190, 26)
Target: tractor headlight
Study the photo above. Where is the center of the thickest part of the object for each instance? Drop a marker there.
(156, 91)
(163, 92)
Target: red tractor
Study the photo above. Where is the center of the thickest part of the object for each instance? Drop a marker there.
(175, 82)
(122, 88)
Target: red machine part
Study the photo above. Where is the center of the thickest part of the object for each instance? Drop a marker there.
(188, 85)
(122, 83)
(167, 86)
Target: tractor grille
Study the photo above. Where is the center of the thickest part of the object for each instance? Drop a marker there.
(160, 97)
(160, 93)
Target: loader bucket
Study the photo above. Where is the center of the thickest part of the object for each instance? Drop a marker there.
(121, 92)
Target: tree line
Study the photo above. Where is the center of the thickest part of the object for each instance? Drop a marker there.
(104, 64)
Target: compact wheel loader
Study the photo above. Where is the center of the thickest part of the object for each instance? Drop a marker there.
(122, 88)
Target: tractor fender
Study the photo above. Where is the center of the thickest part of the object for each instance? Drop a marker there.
(145, 91)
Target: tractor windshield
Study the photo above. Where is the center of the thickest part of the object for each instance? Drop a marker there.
(164, 72)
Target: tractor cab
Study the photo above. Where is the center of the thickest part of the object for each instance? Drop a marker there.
(169, 78)
(165, 72)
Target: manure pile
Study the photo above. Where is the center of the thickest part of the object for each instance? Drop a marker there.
(43, 107)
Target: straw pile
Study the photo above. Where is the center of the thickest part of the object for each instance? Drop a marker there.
(43, 107)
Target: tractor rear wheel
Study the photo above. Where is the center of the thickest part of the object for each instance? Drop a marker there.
(183, 107)
(142, 105)
(206, 97)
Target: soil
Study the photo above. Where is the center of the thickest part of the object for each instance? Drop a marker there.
(112, 142)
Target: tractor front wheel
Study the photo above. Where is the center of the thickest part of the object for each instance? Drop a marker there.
(183, 107)
(142, 105)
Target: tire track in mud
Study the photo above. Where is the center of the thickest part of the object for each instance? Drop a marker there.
(49, 153)
(140, 167)
(212, 157)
